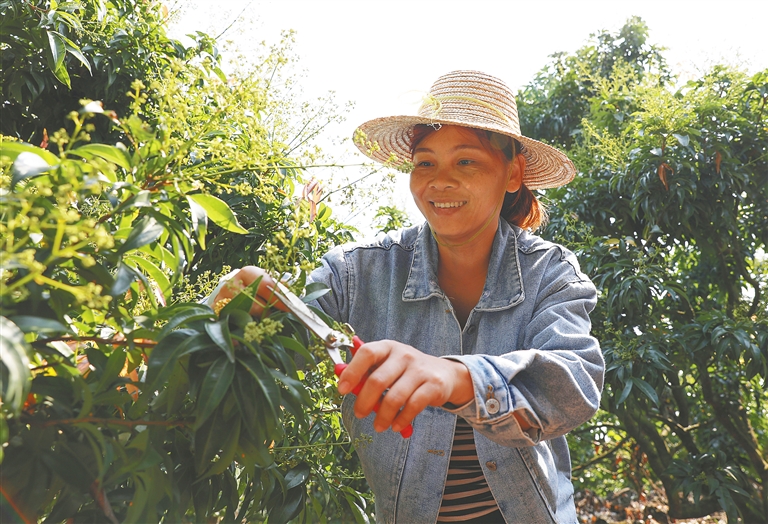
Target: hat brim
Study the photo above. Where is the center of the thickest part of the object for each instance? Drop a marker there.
(387, 140)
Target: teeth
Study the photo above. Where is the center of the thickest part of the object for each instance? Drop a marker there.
(444, 205)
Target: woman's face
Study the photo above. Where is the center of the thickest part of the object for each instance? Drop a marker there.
(458, 183)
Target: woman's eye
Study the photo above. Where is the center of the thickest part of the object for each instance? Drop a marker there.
(424, 163)
(465, 162)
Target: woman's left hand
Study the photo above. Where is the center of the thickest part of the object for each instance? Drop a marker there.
(411, 379)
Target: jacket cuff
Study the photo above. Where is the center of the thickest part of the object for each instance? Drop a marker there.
(491, 411)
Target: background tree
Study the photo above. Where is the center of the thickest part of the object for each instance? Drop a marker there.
(559, 97)
(669, 219)
(57, 53)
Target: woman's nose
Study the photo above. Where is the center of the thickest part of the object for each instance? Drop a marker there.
(443, 178)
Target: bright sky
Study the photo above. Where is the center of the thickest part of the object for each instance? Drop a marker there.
(385, 54)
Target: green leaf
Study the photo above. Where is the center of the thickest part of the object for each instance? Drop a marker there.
(62, 75)
(146, 230)
(167, 354)
(314, 291)
(155, 273)
(215, 385)
(28, 165)
(106, 152)
(84, 391)
(58, 50)
(15, 361)
(209, 439)
(646, 388)
(353, 502)
(220, 74)
(40, 325)
(264, 380)
(58, 388)
(141, 199)
(65, 507)
(96, 358)
(62, 16)
(74, 50)
(199, 221)
(237, 318)
(68, 466)
(13, 149)
(684, 140)
(248, 398)
(625, 392)
(123, 279)
(115, 365)
(254, 453)
(219, 333)
(218, 211)
(297, 476)
(295, 345)
(180, 314)
(227, 455)
(290, 507)
(242, 301)
(296, 390)
(176, 390)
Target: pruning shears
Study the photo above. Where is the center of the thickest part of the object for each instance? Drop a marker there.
(333, 339)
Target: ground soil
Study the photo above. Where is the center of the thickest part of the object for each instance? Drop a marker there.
(627, 507)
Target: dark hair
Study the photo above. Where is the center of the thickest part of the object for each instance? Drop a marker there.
(520, 208)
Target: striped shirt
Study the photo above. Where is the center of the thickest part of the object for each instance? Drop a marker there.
(466, 495)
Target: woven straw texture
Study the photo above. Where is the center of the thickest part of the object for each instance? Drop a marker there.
(468, 99)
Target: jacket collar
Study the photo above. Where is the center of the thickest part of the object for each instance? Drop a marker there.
(503, 285)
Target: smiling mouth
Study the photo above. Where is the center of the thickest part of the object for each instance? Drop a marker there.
(446, 205)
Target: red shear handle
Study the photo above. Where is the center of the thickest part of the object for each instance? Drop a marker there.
(407, 431)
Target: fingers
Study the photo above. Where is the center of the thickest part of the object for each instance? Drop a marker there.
(400, 382)
(415, 405)
(380, 379)
(264, 296)
(365, 360)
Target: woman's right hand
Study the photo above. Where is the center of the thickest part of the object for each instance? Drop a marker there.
(244, 277)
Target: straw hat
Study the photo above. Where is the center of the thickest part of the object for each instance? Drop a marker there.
(468, 99)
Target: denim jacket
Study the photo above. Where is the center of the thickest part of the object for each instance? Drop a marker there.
(527, 347)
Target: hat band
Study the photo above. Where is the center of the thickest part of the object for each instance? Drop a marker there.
(436, 107)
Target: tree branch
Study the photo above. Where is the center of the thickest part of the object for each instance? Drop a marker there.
(98, 340)
(598, 458)
(109, 422)
(683, 433)
(587, 429)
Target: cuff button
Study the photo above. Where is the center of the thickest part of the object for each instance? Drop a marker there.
(492, 406)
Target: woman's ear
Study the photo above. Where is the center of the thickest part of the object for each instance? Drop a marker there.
(516, 168)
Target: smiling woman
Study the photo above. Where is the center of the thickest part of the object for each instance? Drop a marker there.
(459, 183)
(479, 329)
(459, 175)
(520, 206)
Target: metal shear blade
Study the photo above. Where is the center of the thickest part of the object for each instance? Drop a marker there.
(332, 339)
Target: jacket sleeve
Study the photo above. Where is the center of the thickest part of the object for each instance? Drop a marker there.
(555, 380)
(333, 273)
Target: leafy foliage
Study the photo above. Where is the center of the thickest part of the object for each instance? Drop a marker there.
(57, 53)
(124, 397)
(669, 220)
(553, 104)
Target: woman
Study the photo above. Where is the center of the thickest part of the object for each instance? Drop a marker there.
(478, 330)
